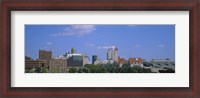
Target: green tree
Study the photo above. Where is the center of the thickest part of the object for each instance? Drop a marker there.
(72, 70)
(44, 70)
(37, 70)
(55, 70)
(86, 70)
(80, 70)
(148, 70)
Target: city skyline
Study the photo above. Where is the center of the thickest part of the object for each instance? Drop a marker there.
(145, 41)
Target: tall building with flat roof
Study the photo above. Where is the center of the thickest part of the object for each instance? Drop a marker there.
(45, 55)
(75, 60)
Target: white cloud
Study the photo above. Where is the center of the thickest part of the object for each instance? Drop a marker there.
(161, 45)
(76, 30)
(105, 47)
(49, 43)
(89, 44)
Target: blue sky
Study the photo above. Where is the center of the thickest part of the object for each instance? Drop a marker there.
(145, 41)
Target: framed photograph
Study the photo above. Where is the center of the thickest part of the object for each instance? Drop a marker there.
(100, 48)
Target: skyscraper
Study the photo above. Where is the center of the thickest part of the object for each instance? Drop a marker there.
(112, 54)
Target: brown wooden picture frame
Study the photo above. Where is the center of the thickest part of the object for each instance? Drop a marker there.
(193, 91)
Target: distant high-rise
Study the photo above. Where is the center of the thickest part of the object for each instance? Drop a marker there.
(73, 50)
(94, 58)
(86, 59)
(112, 54)
(116, 54)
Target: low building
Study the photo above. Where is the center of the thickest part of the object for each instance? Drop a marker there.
(104, 62)
(160, 60)
(111, 61)
(58, 64)
(101, 62)
(97, 62)
(135, 62)
(32, 64)
(122, 61)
